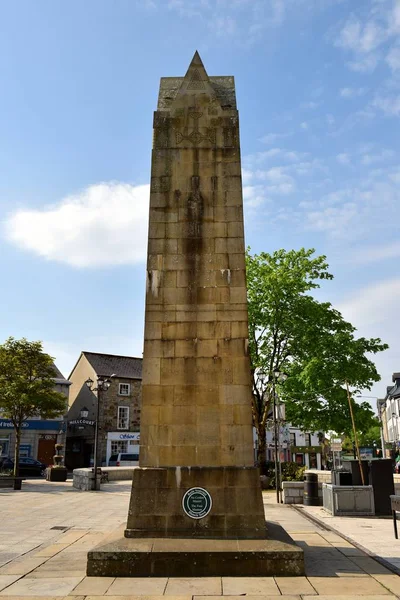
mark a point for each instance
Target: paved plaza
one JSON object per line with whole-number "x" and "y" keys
{"x": 47, "y": 530}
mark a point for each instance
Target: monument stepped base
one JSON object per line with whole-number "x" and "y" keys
{"x": 156, "y": 510}
{"x": 174, "y": 557}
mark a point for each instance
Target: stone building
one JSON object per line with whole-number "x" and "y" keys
{"x": 119, "y": 408}
{"x": 389, "y": 415}
{"x": 38, "y": 435}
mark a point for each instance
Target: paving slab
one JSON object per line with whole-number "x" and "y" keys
{"x": 352, "y": 597}
{"x": 138, "y": 597}
{"x": 50, "y": 551}
{"x": 139, "y": 586}
{"x": 392, "y": 582}
{"x": 6, "y": 580}
{"x": 22, "y": 566}
{"x": 340, "y": 586}
{"x": 249, "y": 586}
{"x": 42, "y": 587}
{"x": 372, "y": 534}
{"x": 296, "y": 585}
{"x": 93, "y": 586}
{"x": 205, "y": 586}
{"x": 371, "y": 566}
{"x": 260, "y": 597}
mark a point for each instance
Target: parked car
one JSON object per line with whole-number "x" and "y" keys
{"x": 27, "y": 466}
{"x": 124, "y": 459}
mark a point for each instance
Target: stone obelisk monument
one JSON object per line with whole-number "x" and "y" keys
{"x": 197, "y": 477}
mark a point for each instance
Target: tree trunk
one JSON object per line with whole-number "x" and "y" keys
{"x": 16, "y": 450}
{"x": 262, "y": 448}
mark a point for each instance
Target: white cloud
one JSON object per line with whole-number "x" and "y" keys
{"x": 393, "y": 58}
{"x": 271, "y": 138}
{"x": 366, "y": 34}
{"x": 389, "y": 104}
{"x": 359, "y": 37}
{"x": 253, "y": 196}
{"x": 373, "y": 304}
{"x": 104, "y": 224}
{"x": 352, "y": 92}
{"x": 382, "y": 156}
{"x": 369, "y": 254}
{"x": 343, "y": 158}
{"x": 304, "y": 125}
{"x": 364, "y": 64}
{"x": 332, "y": 219}
{"x": 310, "y": 105}
{"x": 373, "y": 310}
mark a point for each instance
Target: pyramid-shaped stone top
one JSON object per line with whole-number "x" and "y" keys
{"x": 197, "y": 81}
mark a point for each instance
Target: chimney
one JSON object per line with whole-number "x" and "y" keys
{"x": 396, "y": 378}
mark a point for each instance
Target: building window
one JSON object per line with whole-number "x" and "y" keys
{"x": 117, "y": 446}
{"x": 300, "y": 460}
{"x": 4, "y": 445}
{"x": 292, "y": 439}
{"x": 124, "y": 389}
{"x": 123, "y": 417}
{"x": 307, "y": 438}
{"x": 313, "y": 460}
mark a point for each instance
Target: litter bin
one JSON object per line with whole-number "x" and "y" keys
{"x": 342, "y": 477}
{"x": 311, "y": 489}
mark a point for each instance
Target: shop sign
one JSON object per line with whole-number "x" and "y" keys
{"x": 305, "y": 449}
{"x": 81, "y": 422}
{"x": 33, "y": 424}
{"x": 126, "y": 436}
{"x": 197, "y": 503}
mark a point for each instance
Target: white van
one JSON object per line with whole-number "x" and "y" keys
{"x": 124, "y": 459}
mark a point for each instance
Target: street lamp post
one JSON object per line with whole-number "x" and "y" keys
{"x": 102, "y": 385}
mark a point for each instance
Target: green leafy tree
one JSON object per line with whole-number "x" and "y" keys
{"x": 290, "y": 331}
{"x": 27, "y": 386}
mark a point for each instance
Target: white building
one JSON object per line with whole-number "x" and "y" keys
{"x": 295, "y": 445}
{"x": 390, "y": 412}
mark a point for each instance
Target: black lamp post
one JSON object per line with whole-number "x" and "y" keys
{"x": 102, "y": 385}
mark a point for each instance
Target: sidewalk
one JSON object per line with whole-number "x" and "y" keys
{"x": 38, "y": 559}
{"x": 373, "y": 534}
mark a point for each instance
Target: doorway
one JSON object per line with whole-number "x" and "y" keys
{"x": 46, "y": 449}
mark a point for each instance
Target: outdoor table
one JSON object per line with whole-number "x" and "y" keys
{"x": 395, "y": 503}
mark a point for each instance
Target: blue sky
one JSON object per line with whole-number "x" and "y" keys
{"x": 318, "y": 88}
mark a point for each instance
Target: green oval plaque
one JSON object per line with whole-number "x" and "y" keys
{"x": 197, "y": 503}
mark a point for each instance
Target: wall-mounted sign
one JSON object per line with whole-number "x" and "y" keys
{"x": 197, "y": 503}
{"x": 81, "y": 422}
{"x": 41, "y": 424}
{"x": 305, "y": 449}
{"x": 120, "y": 435}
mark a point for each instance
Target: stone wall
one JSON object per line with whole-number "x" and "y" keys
{"x": 82, "y": 478}
{"x": 109, "y": 411}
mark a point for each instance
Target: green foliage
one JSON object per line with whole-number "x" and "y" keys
{"x": 291, "y": 471}
{"x": 27, "y": 385}
{"x": 291, "y": 331}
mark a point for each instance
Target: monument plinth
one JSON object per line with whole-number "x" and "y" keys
{"x": 197, "y": 477}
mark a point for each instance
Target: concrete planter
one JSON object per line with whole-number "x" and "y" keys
{"x": 56, "y": 474}
{"x": 348, "y": 500}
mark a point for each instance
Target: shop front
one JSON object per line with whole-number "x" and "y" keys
{"x": 38, "y": 438}
{"x": 122, "y": 441}
{"x": 307, "y": 456}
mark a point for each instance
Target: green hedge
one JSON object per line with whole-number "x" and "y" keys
{"x": 291, "y": 471}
